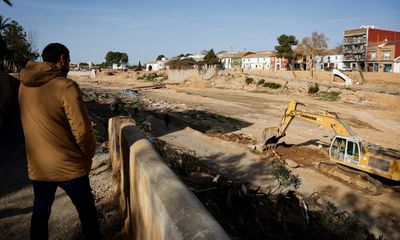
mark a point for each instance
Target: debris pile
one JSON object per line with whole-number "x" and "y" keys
{"x": 154, "y": 105}
{"x": 237, "y": 137}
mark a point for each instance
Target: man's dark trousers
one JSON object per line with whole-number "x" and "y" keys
{"x": 79, "y": 192}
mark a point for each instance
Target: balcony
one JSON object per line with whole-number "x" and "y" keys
{"x": 354, "y": 58}
{"x": 354, "y": 50}
{"x": 351, "y": 41}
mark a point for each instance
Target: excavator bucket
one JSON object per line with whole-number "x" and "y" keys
{"x": 270, "y": 137}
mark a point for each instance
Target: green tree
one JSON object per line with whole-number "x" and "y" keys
{"x": 4, "y": 23}
{"x": 3, "y": 52}
{"x": 124, "y": 58}
{"x": 109, "y": 57}
{"x": 316, "y": 45}
{"x": 211, "y": 58}
{"x": 159, "y": 57}
{"x": 139, "y": 67}
{"x": 186, "y": 63}
{"x": 19, "y": 49}
{"x": 116, "y": 57}
{"x": 284, "y": 49}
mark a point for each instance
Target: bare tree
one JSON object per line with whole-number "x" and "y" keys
{"x": 316, "y": 45}
{"x": 339, "y": 48}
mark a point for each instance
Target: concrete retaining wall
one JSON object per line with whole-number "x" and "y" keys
{"x": 91, "y": 73}
{"x": 157, "y": 205}
{"x": 371, "y": 77}
{"x": 179, "y": 76}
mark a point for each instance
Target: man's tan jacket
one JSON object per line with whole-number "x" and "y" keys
{"x": 59, "y": 138}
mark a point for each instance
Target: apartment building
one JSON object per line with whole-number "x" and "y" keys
{"x": 357, "y": 41}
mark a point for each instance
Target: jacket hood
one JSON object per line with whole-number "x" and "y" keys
{"x": 36, "y": 74}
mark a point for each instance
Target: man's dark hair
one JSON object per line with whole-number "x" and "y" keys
{"x": 52, "y": 52}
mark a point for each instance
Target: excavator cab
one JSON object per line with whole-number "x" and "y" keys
{"x": 345, "y": 150}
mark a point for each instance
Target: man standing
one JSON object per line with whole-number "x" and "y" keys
{"x": 59, "y": 140}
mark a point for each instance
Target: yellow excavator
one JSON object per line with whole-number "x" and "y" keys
{"x": 347, "y": 152}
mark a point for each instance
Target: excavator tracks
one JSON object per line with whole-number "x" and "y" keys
{"x": 352, "y": 177}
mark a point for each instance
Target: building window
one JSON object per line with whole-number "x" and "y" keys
{"x": 376, "y": 67}
{"x": 373, "y": 55}
{"x": 386, "y": 55}
{"x": 387, "y": 67}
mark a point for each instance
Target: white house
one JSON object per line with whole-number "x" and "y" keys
{"x": 257, "y": 61}
{"x": 396, "y": 64}
{"x": 332, "y": 61}
{"x": 156, "y": 65}
{"x": 115, "y": 66}
{"x": 226, "y": 59}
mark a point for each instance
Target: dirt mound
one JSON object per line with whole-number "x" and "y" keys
{"x": 193, "y": 82}
{"x": 303, "y": 155}
{"x": 232, "y": 81}
{"x": 233, "y": 137}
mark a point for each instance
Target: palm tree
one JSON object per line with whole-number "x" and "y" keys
{"x": 8, "y": 2}
{"x": 4, "y": 23}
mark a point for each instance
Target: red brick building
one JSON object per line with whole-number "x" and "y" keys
{"x": 357, "y": 41}
{"x": 381, "y": 56}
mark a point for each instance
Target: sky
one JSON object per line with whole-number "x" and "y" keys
{"x": 145, "y": 29}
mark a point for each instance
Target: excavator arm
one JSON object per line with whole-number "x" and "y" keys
{"x": 327, "y": 119}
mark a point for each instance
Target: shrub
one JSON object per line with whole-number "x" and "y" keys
{"x": 261, "y": 82}
{"x": 332, "y": 96}
{"x": 272, "y": 85}
{"x": 313, "y": 88}
{"x": 284, "y": 176}
{"x": 249, "y": 80}
{"x": 342, "y": 225}
{"x": 151, "y": 76}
